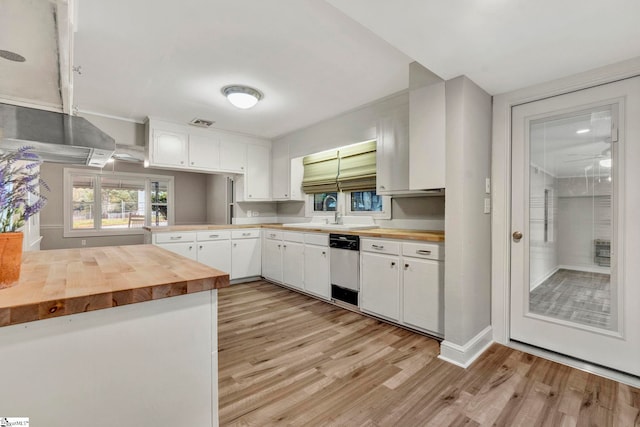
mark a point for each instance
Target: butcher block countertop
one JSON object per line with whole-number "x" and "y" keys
{"x": 66, "y": 281}
{"x": 383, "y": 233}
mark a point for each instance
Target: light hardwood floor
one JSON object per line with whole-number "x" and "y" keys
{"x": 288, "y": 359}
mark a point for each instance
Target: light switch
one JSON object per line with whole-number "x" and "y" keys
{"x": 487, "y": 185}
{"x": 487, "y": 205}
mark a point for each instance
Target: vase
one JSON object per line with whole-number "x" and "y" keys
{"x": 10, "y": 258}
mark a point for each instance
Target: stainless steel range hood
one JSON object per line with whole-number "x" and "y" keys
{"x": 56, "y": 137}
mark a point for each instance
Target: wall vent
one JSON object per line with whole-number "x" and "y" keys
{"x": 201, "y": 123}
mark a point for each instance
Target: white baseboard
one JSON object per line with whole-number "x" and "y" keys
{"x": 465, "y": 355}
{"x": 586, "y": 268}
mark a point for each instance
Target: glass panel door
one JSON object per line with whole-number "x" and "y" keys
{"x": 575, "y": 235}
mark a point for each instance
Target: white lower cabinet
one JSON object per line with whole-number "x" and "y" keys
{"x": 214, "y": 248}
{"x": 293, "y": 260}
{"x": 246, "y": 253}
{"x": 380, "y": 285}
{"x": 272, "y": 256}
{"x": 403, "y": 281}
{"x": 317, "y": 280}
{"x": 423, "y": 294}
{"x": 180, "y": 243}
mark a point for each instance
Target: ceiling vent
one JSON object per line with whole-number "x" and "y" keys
{"x": 201, "y": 123}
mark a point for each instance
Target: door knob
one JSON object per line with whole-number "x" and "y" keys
{"x": 517, "y": 236}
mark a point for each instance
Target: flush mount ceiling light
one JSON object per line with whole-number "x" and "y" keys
{"x": 243, "y": 97}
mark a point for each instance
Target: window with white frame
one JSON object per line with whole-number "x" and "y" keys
{"x": 104, "y": 203}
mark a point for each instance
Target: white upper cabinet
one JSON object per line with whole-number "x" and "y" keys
{"x": 204, "y": 152}
{"x": 233, "y": 155}
{"x": 427, "y": 137}
{"x": 168, "y": 148}
{"x": 258, "y": 173}
{"x": 286, "y": 174}
{"x": 392, "y": 155}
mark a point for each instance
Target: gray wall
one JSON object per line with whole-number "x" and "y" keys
{"x": 468, "y": 229}
{"x": 190, "y": 205}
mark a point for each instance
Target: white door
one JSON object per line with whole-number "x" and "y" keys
{"x": 423, "y": 294}
{"x": 576, "y": 234}
{"x": 380, "y": 285}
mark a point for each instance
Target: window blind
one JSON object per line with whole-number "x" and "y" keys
{"x": 320, "y": 172}
{"x": 357, "y": 167}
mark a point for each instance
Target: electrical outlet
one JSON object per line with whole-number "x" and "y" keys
{"x": 83, "y": 242}
{"x": 487, "y": 205}
{"x": 256, "y": 213}
{"x": 487, "y": 185}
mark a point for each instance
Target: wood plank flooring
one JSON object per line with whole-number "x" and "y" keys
{"x": 286, "y": 359}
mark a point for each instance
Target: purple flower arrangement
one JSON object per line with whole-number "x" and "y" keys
{"x": 20, "y": 185}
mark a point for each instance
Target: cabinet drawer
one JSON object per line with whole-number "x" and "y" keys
{"x": 423, "y": 250}
{"x": 316, "y": 239}
{"x": 203, "y": 236}
{"x": 293, "y": 237}
{"x": 272, "y": 234}
{"x": 175, "y": 237}
{"x": 380, "y": 246}
{"x": 245, "y": 233}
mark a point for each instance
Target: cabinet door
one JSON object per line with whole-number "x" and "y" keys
{"x": 216, "y": 254}
{"x": 392, "y": 155}
{"x": 380, "y": 285}
{"x": 427, "y": 137}
{"x": 204, "y": 152}
{"x": 316, "y": 271}
{"x": 423, "y": 294}
{"x": 280, "y": 172}
{"x": 233, "y": 156}
{"x": 186, "y": 249}
{"x": 246, "y": 258}
{"x": 272, "y": 260}
{"x": 258, "y": 173}
{"x": 293, "y": 264}
{"x": 169, "y": 148}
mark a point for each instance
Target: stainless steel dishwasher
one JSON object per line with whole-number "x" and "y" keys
{"x": 345, "y": 268}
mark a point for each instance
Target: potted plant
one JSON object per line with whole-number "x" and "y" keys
{"x": 20, "y": 199}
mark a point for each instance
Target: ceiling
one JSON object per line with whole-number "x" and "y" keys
{"x": 313, "y": 59}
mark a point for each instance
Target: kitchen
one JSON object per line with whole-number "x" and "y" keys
{"x": 468, "y": 276}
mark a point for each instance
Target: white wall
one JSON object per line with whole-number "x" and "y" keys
{"x": 468, "y": 228}
{"x": 543, "y": 255}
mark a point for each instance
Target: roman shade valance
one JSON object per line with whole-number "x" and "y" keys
{"x": 350, "y": 168}
{"x": 357, "y": 167}
{"x": 320, "y": 172}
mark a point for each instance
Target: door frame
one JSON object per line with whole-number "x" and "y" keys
{"x": 501, "y": 179}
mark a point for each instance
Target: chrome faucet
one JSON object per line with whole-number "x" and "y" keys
{"x": 326, "y": 199}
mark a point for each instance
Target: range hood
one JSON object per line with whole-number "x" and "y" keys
{"x": 56, "y": 137}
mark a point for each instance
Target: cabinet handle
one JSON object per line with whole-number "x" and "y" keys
{"x": 213, "y": 236}
{"x": 272, "y": 235}
{"x": 242, "y": 167}
{"x": 250, "y": 195}
{"x": 378, "y": 247}
{"x": 192, "y": 163}
{"x": 235, "y": 244}
{"x": 284, "y": 246}
{"x": 406, "y": 266}
{"x": 285, "y": 194}
{"x": 423, "y": 252}
{"x": 324, "y": 253}
{"x": 190, "y": 247}
{"x": 393, "y": 264}
{"x": 181, "y": 162}
{"x": 200, "y": 246}
{"x": 246, "y": 234}
{"x": 382, "y": 187}
{"x": 175, "y": 237}
{"x": 279, "y": 245}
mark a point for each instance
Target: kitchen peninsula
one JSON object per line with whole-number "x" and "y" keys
{"x": 126, "y": 332}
